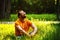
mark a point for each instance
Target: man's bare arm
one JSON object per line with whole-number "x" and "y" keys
{"x": 22, "y": 30}
{"x": 34, "y": 30}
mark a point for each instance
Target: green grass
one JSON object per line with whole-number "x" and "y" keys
{"x": 41, "y": 17}
{"x": 48, "y": 17}
{"x": 46, "y": 31}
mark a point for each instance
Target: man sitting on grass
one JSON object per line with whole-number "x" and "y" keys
{"x": 22, "y": 25}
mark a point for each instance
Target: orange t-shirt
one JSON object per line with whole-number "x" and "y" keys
{"x": 24, "y": 25}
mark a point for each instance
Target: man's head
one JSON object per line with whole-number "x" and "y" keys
{"x": 21, "y": 14}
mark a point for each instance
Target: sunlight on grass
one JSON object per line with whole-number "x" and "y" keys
{"x": 46, "y": 30}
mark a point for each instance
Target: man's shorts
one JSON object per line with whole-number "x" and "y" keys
{"x": 22, "y": 37}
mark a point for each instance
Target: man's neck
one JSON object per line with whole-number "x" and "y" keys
{"x": 21, "y": 19}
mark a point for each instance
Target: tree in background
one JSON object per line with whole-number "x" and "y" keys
{"x": 5, "y": 7}
{"x": 35, "y": 6}
{"x": 2, "y": 9}
{"x": 58, "y": 9}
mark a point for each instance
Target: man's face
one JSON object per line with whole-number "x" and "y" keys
{"x": 22, "y": 14}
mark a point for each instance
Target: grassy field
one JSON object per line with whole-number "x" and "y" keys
{"x": 46, "y": 31}
{"x": 50, "y": 17}
{"x": 48, "y": 28}
{"x": 41, "y": 17}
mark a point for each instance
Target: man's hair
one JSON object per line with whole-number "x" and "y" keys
{"x": 19, "y": 13}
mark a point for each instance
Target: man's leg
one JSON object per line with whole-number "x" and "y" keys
{"x": 20, "y": 37}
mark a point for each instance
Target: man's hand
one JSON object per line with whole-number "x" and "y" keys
{"x": 23, "y": 30}
{"x": 34, "y": 30}
{"x": 28, "y": 34}
{"x": 32, "y": 34}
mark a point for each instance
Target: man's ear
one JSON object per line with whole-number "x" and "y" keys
{"x": 19, "y": 16}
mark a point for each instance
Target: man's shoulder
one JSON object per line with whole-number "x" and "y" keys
{"x": 27, "y": 20}
{"x": 16, "y": 20}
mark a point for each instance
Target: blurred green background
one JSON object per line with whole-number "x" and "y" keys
{"x": 9, "y": 7}
{"x": 45, "y": 14}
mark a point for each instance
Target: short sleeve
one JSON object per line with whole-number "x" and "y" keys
{"x": 29, "y": 22}
{"x": 16, "y": 23}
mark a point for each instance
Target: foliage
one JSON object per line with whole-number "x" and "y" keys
{"x": 36, "y": 6}
{"x": 41, "y": 17}
{"x": 46, "y": 31}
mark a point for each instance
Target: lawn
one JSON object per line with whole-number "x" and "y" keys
{"x": 46, "y": 31}
{"x": 41, "y": 17}
{"x": 48, "y": 27}
{"x": 47, "y": 17}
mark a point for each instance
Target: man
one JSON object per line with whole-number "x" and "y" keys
{"x": 22, "y": 25}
